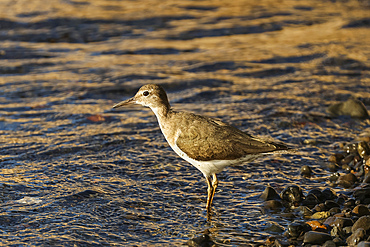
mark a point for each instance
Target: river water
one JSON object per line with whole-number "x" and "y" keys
{"x": 74, "y": 172}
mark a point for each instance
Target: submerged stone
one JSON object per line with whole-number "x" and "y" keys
{"x": 306, "y": 171}
{"x": 269, "y": 194}
{"x": 292, "y": 194}
{"x": 312, "y": 237}
{"x": 352, "y": 107}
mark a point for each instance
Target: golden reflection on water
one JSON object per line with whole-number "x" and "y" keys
{"x": 73, "y": 171}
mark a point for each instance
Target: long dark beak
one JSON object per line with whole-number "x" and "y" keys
{"x": 125, "y": 102}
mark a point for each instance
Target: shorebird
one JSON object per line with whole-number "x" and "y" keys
{"x": 208, "y": 144}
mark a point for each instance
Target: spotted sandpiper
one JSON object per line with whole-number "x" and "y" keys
{"x": 208, "y": 144}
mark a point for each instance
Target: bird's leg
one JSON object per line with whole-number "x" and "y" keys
{"x": 214, "y": 186}
{"x": 209, "y": 197}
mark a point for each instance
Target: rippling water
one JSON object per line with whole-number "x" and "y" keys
{"x": 75, "y": 172}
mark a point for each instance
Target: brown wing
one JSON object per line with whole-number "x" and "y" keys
{"x": 215, "y": 140}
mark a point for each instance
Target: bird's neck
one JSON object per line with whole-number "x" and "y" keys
{"x": 161, "y": 112}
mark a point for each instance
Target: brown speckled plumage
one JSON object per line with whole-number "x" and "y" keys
{"x": 208, "y": 144}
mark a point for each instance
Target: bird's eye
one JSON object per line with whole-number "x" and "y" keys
{"x": 145, "y": 93}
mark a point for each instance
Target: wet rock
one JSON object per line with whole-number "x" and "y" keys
{"x": 348, "y": 159}
{"x": 352, "y": 107}
{"x": 366, "y": 179}
{"x": 350, "y": 148}
{"x": 306, "y": 171}
{"x": 342, "y": 222}
{"x": 349, "y": 203}
{"x": 336, "y": 158}
{"x": 320, "y": 215}
{"x": 361, "y": 210}
{"x": 334, "y": 177}
{"x": 329, "y": 221}
{"x": 329, "y": 204}
{"x": 329, "y": 194}
{"x": 363, "y": 149}
{"x": 335, "y": 210}
{"x": 337, "y": 232}
{"x": 347, "y": 180}
{"x": 339, "y": 242}
{"x": 363, "y": 222}
{"x": 333, "y": 167}
{"x": 329, "y": 243}
{"x": 272, "y": 205}
{"x": 292, "y": 194}
{"x": 318, "y": 194}
{"x": 341, "y": 199}
{"x": 346, "y": 168}
{"x": 356, "y": 237}
{"x": 203, "y": 240}
{"x": 275, "y": 228}
{"x": 362, "y": 194}
{"x": 320, "y": 207}
{"x": 306, "y": 211}
{"x": 312, "y": 237}
{"x": 364, "y": 244}
{"x": 310, "y": 201}
{"x": 269, "y": 194}
{"x": 297, "y": 229}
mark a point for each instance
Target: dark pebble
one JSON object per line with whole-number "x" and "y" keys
{"x": 200, "y": 241}
{"x": 333, "y": 167}
{"x": 334, "y": 177}
{"x": 329, "y": 194}
{"x": 336, "y": 158}
{"x": 356, "y": 237}
{"x": 312, "y": 237}
{"x": 339, "y": 241}
{"x": 349, "y": 203}
{"x": 341, "y": 199}
{"x": 363, "y": 222}
{"x": 330, "y": 221}
{"x": 346, "y": 168}
{"x": 275, "y": 228}
{"x": 269, "y": 194}
{"x": 306, "y": 211}
{"x": 347, "y": 180}
{"x": 331, "y": 204}
{"x": 334, "y": 210}
{"x": 310, "y": 201}
{"x": 292, "y": 194}
{"x": 306, "y": 171}
{"x": 342, "y": 222}
{"x": 361, "y": 210}
{"x": 329, "y": 243}
{"x": 318, "y": 194}
{"x": 319, "y": 207}
{"x": 347, "y": 159}
{"x": 362, "y": 194}
{"x": 297, "y": 229}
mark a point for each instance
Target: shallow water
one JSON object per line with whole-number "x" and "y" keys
{"x": 75, "y": 172}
